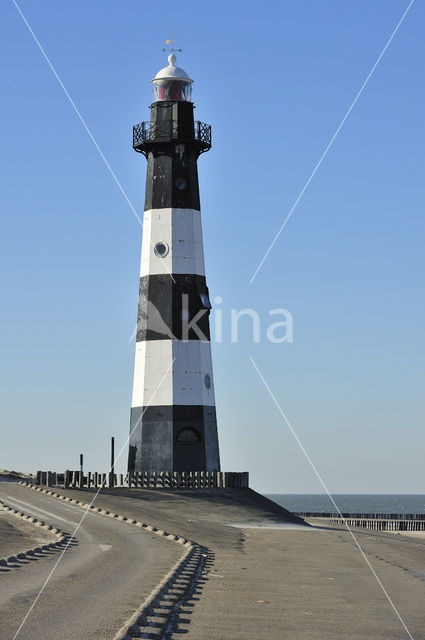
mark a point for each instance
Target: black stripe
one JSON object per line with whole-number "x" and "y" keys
{"x": 161, "y": 306}
{"x": 159, "y": 441}
{"x": 172, "y": 173}
{"x": 172, "y": 181}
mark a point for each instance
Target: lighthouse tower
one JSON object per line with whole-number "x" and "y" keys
{"x": 173, "y": 420}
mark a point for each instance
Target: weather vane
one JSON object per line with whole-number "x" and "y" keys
{"x": 172, "y": 42}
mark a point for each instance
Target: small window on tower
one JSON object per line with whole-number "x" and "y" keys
{"x": 161, "y": 249}
{"x": 188, "y": 435}
{"x": 180, "y": 184}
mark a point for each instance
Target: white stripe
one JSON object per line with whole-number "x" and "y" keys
{"x": 181, "y": 231}
{"x": 186, "y": 384}
{"x": 36, "y": 510}
{"x": 151, "y": 360}
{"x": 192, "y": 363}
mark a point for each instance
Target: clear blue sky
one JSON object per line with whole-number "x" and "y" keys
{"x": 274, "y": 79}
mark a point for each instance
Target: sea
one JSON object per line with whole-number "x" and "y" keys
{"x": 350, "y": 503}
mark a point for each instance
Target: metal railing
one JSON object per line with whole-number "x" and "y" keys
{"x": 202, "y": 132}
{"x": 168, "y": 130}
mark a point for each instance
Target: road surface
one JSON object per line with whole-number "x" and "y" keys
{"x": 270, "y": 579}
{"x": 98, "y": 583}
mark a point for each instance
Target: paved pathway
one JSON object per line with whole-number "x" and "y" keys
{"x": 268, "y": 577}
{"x": 97, "y": 585}
{"x": 277, "y": 582}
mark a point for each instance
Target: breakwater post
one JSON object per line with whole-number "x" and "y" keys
{"x": 374, "y": 521}
{"x": 147, "y": 479}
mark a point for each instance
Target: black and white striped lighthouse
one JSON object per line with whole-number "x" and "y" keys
{"x": 173, "y": 418}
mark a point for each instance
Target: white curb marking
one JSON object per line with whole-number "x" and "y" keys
{"x": 48, "y": 513}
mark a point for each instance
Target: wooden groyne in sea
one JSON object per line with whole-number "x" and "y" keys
{"x": 375, "y": 521}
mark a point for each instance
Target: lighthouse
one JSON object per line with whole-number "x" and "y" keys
{"x": 173, "y": 424}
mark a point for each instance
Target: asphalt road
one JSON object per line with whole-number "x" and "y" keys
{"x": 98, "y": 583}
{"x": 269, "y": 579}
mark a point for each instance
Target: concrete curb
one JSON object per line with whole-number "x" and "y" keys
{"x": 62, "y": 538}
{"x": 192, "y": 564}
{"x": 132, "y": 628}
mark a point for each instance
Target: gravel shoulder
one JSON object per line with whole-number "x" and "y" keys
{"x": 17, "y": 536}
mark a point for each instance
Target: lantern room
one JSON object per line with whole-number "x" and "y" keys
{"x": 172, "y": 83}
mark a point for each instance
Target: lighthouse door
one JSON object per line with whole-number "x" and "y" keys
{"x": 189, "y": 450}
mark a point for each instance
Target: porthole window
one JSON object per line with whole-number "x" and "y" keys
{"x": 160, "y": 249}
{"x": 180, "y": 184}
{"x": 207, "y": 381}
